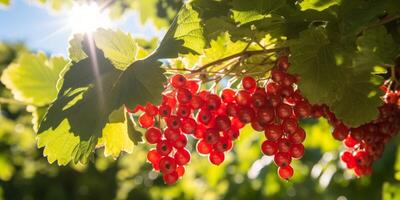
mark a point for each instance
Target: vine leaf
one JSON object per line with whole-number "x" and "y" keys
{"x": 245, "y": 12}
{"x": 33, "y": 78}
{"x": 319, "y": 5}
{"x": 91, "y": 90}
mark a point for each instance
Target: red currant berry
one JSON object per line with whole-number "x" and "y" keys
{"x": 153, "y": 135}
{"x": 282, "y": 159}
{"x": 246, "y": 114}
{"x": 285, "y": 172}
{"x": 232, "y": 109}
{"x": 298, "y": 136}
{"x": 204, "y": 116}
{"x": 171, "y": 134}
{"x": 182, "y": 157}
{"x": 249, "y": 83}
{"x": 165, "y": 110}
{"x": 283, "y": 62}
{"x": 164, "y": 147}
{"x": 340, "y": 132}
{"x": 257, "y": 126}
{"x": 222, "y": 122}
{"x": 211, "y": 136}
{"x": 203, "y": 148}
{"x": 173, "y": 122}
{"x": 183, "y": 111}
{"x": 170, "y": 178}
{"x": 213, "y": 102}
{"x": 196, "y": 102}
{"x": 228, "y": 95}
{"x": 223, "y": 145}
{"x": 272, "y": 88}
{"x": 269, "y": 148}
{"x": 188, "y": 126}
{"x": 146, "y": 120}
{"x": 284, "y": 145}
{"x": 265, "y": 115}
{"x": 180, "y": 170}
{"x": 178, "y": 81}
{"x": 243, "y": 98}
{"x": 180, "y": 142}
{"x": 232, "y": 133}
{"x": 192, "y": 86}
{"x": 302, "y": 109}
{"x": 216, "y": 157}
{"x": 273, "y": 132}
{"x": 167, "y": 165}
{"x": 289, "y": 125}
{"x": 284, "y": 111}
{"x": 297, "y": 151}
{"x": 153, "y": 156}
{"x": 184, "y": 96}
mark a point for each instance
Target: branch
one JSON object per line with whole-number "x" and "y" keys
{"x": 385, "y": 20}
{"x": 243, "y": 53}
{"x": 12, "y": 101}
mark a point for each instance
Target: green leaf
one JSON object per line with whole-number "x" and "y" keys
{"x": 92, "y": 90}
{"x": 312, "y": 58}
{"x": 115, "y": 139}
{"x": 117, "y": 46}
{"x": 391, "y": 191}
{"x": 33, "y": 78}
{"x": 318, "y": 4}
{"x": 134, "y": 134}
{"x": 75, "y": 51}
{"x": 245, "y": 12}
{"x": 185, "y": 35}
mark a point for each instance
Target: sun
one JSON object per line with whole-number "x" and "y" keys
{"x": 86, "y": 18}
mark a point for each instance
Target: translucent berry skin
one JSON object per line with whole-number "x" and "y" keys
{"x": 223, "y": 122}
{"x": 297, "y": 151}
{"x": 269, "y": 148}
{"x": 273, "y": 132}
{"x": 171, "y": 134}
{"x": 204, "y": 116}
{"x": 284, "y": 145}
{"x": 284, "y": 111}
{"x": 228, "y": 95}
{"x": 282, "y": 159}
{"x": 211, "y": 136}
{"x": 151, "y": 109}
{"x": 196, "y": 102}
{"x": 180, "y": 170}
{"x": 216, "y": 157}
{"x": 188, "y": 126}
{"x": 289, "y": 125}
{"x": 265, "y": 115}
{"x": 243, "y": 98}
{"x": 167, "y": 165}
{"x": 223, "y": 145}
{"x": 213, "y": 102}
{"x": 153, "y": 156}
{"x": 153, "y": 135}
{"x": 146, "y": 121}
{"x": 173, "y": 122}
{"x": 184, "y": 96}
{"x": 340, "y": 132}
{"x": 178, "y": 81}
{"x": 246, "y": 114}
{"x": 283, "y": 62}
{"x": 164, "y": 147}
{"x": 183, "y": 111}
{"x": 182, "y": 156}
{"x": 298, "y": 136}
{"x": 170, "y": 178}
{"x": 164, "y": 110}
{"x": 180, "y": 142}
{"x": 285, "y": 172}
{"x": 249, "y": 83}
{"x": 203, "y": 147}
{"x": 192, "y": 86}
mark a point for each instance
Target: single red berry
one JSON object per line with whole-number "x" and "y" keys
{"x": 340, "y": 132}
{"x": 257, "y": 126}
{"x": 184, "y": 96}
{"x": 192, "y": 86}
{"x": 170, "y": 178}
{"x": 228, "y": 95}
{"x": 346, "y": 156}
{"x": 153, "y": 135}
{"x": 151, "y": 109}
{"x": 277, "y": 75}
{"x": 246, "y": 114}
{"x": 249, "y": 83}
{"x": 178, "y": 81}
{"x": 203, "y": 148}
{"x": 180, "y": 142}
{"x": 282, "y": 159}
{"x": 273, "y": 132}
{"x": 211, "y": 136}
{"x": 164, "y": 110}
{"x": 146, "y": 120}
{"x": 297, "y": 151}
{"x": 285, "y": 172}
{"x": 350, "y": 142}
{"x": 298, "y": 136}
{"x": 259, "y": 100}
{"x": 236, "y": 123}
{"x": 188, "y": 126}
{"x": 274, "y": 100}
{"x": 289, "y": 125}
{"x": 222, "y": 122}
{"x": 269, "y": 148}
{"x": 182, "y": 156}
{"x": 171, "y": 134}
{"x": 284, "y": 111}
{"x": 302, "y": 109}
{"x": 357, "y": 134}
{"x": 243, "y": 98}
{"x": 216, "y": 157}
{"x": 286, "y": 91}
{"x": 173, "y": 122}
{"x": 283, "y": 62}
{"x": 288, "y": 80}
{"x": 169, "y": 100}
{"x": 153, "y": 156}
{"x": 272, "y": 88}
{"x": 164, "y": 147}
{"x": 183, "y": 111}
{"x": 204, "y": 116}
{"x": 223, "y": 144}
{"x": 196, "y": 102}
{"x": 213, "y": 102}
{"x": 232, "y": 109}
{"x": 200, "y": 130}
{"x": 265, "y": 115}
{"x": 284, "y": 145}
{"x": 167, "y": 165}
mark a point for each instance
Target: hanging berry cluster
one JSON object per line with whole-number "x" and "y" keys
{"x": 365, "y": 144}
{"x": 273, "y": 106}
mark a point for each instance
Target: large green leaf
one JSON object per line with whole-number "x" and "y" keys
{"x": 92, "y": 89}
{"x": 338, "y": 76}
{"x": 33, "y": 78}
{"x": 318, "y": 4}
{"x": 245, "y": 12}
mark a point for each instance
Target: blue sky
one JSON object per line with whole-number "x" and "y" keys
{"x": 42, "y": 29}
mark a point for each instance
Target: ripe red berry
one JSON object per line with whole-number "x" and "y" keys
{"x": 249, "y": 83}
{"x": 273, "y": 132}
{"x": 269, "y": 148}
{"x": 180, "y": 170}
{"x": 203, "y": 148}
{"x": 183, "y": 111}
{"x": 153, "y": 135}
{"x": 297, "y": 151}
{"x": 211, "y": 136}
{"x": 346, "y": 156}
{"x": 285, "y": 172}
{"x": 213, "y": 102}
{"x": 216, "y": 157}
{"x": 204, "y": 116}
{"x": 283, "y": 62}
{"x": 146, "y": 120}
{"x": 302, "y": 109}
{"x": 243, "y": 98}
{"x": 259, "y": 100}
{"x": 164, "y": 147}
{"x": 272, "y": 88}
{"x": 223, "y": 144}
{"x": 289, "y": 125}
{"x": 232, "y": 133}
{"x": 274, "y": 100}
{"x": 232, "y": 109}
{"x": 178, "y": 81}
{"x": 284, "y": 145}
{"x": 265, "y": 115}
{"x": 182, "y": 157}
{"x": 153, "y": 156}
{"x": 236, "y": 123}
{"x": 171, "y": 134}
{"x": 284, "y": 111}
{"x": 277, "y": 75}
{"x": 173, "y": 122}
{"x": 170, "y": 178}
{"x": 246, "y": 114}
{"x": 184, "y": 96}
{"x": 350, "y": 142}
{"x": 257, "y": 126}
{"x": 164, "y": 110}
{"x": 192, "y": 86}
{"x": 282, "y": 159}
{"x": 167, "y": 165}
{"x": 188, "y": 126}
{"x": 298, "y": 136}
{"x": 340, "y": 132}
{"x": 228, "y": 95}
{"x": 222, "y": 122}
{"x": 196, "y": 102}
{"x": 151, "y": 109}
{"x": 180, "y": 142}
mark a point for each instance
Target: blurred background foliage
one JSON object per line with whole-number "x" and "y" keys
{"x": 246, "y": 173}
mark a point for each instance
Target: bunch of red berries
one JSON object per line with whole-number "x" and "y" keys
{"x": 365, "y": 144}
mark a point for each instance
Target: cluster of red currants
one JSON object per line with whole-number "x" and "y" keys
{"x": 278, "y": 115}
{"x": 365, "y": 144}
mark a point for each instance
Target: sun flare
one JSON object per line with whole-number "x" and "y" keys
{"x": 86, "y": 18}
